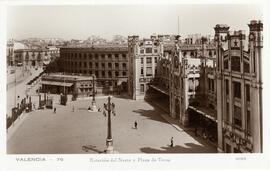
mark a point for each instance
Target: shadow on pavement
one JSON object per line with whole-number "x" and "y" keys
{"x": 191, "y": 148}
{"x": 86, "y": 148}
{"x": 151, "y": 114}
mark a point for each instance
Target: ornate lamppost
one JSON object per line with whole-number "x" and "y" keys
{"x": 110, "y": 108}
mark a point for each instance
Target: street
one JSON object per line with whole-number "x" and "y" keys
{"x": 68, "y": 132}
{"x": 16, "y": 89}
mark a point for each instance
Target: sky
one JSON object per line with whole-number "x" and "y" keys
{"x": 81, "y": 21}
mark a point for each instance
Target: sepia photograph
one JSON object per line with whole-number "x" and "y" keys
{"x": 134, "y": 79}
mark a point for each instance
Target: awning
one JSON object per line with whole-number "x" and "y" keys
{"x": 204, "y": 112}
{"x": 57, "y": 83}
{"x": 159, "y": 89}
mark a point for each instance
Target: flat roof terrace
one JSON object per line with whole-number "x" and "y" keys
{"x": 61, "y": 76}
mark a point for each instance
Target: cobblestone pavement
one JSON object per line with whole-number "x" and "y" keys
{"x": 68, "y": 132}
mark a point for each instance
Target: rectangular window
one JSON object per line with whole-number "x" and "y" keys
{"x": 155, "y": 50}
{"x": 110, "y": 74}
{"x": 116, "y": 56}
{"x": 90, "y": 64}
{"x": 237, "y": 89}
{"x": 209, "y": 84}
{"x": 248, "y": 92}
{"x": 149, "y": 60}
{"x": 141, "y": 60}
{"x": 226, "y": 64}
{"x": 116, "y": 65}
{"x": 109, "y": 65}
{"x": 227, "y": 112}
{"x": 103, "y": 65}
{"x": 124, "y": 65}
{"x": 96, "y": 56}
{"x": 155, "y": 59}
{"x": 90, "y": 57}
{"x": 102, "y": 56}
{"x": 149, "y": 71}
{"x": 109, "y": 56}
{"x": 142, "y": 88}
{"x": 235, "y": 63}
{"x": 227, "y": 87}
{"x": 96, "y": 65}
{"x": 237, "y": 116}
{"x": 148, "y": 50}
{"x": 248, "y": 121}
{"x": 213, "y": 85}
{"x": 141, "y": 51}
{"x": 246, "y": 67}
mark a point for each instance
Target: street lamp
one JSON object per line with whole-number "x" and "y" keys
{"x": 109, "y": 107}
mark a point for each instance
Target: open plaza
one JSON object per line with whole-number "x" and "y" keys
{"x": 69, "y": 131}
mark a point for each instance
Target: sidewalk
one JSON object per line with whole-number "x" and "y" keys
{"x": 175, "y": 124}
{"x": 15, "y": 126}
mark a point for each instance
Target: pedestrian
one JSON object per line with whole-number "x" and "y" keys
{"x": 135, "y": 124}
{"x": 54, "y": 110}
{"x": 172, "y": 142}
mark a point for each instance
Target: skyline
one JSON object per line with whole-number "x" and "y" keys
{"x": 80, "y": 22}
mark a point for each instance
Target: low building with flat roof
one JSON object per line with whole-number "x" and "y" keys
{"x": 58, "y": 83}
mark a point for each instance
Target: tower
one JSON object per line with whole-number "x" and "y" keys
{"x": 133, "y": 75}
{"x": 255, "y": 52}
{"x": 221, "y": 32}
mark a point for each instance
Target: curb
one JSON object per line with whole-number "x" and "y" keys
{"x": 175, "y": 126}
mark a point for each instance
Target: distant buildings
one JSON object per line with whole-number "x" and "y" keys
{"x": 22, "y": 54}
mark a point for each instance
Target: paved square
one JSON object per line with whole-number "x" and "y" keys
{"x": 68, "y": 132}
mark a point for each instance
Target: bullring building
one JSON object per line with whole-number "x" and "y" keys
{"x": 108, "y": 63}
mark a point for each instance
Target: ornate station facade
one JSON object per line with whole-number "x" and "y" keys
{"x": 213, "y": 84}
{"x": 239, "y": 88}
